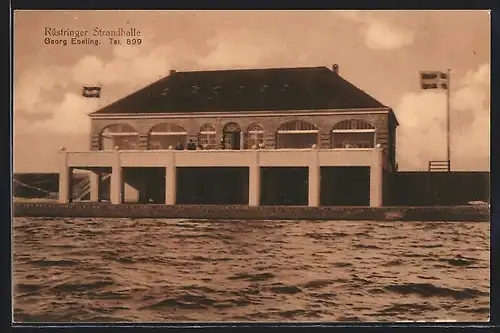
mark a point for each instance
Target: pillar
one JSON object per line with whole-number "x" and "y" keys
{"x": 254, "y": 180}
{"x": 143, "y": 141}
{"x": 65, "y": 174}
{"x": 95, "y": 186}
{"x": 376, "y": 174}
{"x": 171, "y": 179}
{"x": 116, "y": 191}
{"x": 314, "y": 179}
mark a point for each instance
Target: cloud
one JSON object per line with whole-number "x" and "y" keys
{"x": 42, "y": 102}
{"x": 31, "y": 89}
{"x": 422, "y": 133}
{"x": 383, "y": 36}
{"x": 68, "y": 116}
{"x": 128, "y": 66}
{"x": 47, "y": 98}
{"x": 379, "y": 34}
{"x": 239, "y": 48}
{"x": 43, "y": 97}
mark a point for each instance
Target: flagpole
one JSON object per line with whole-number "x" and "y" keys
{"x": 448, "y": 148}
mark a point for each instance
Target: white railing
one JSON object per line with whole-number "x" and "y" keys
{"x": 221, "y": 150}
{"x": 222, "y": 157}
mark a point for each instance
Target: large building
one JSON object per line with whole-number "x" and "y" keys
{"x": 302, "y": 136}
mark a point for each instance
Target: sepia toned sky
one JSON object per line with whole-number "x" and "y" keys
{"x": 381, "y": 52}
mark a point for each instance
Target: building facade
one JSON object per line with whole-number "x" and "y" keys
{"x": 307, "y": 118}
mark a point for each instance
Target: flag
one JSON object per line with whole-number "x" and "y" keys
{"x": 91, "y": 92}
{"x": 433, "y": 80}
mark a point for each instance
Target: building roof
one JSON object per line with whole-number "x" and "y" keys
{"x": 306, "y": 88}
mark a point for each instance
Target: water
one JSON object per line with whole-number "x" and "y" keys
{"x": 156, "y": 270}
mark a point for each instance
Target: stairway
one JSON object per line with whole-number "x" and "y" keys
{"x": 439, "y": 178}
{"x": 82, "y": 187}
{"x": 439, "y": 166}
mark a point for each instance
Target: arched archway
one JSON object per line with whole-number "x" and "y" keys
{"x": 165, "y": 135}
{"x": 123, "y": 136}
{"x": 207, "y": 136}
{"x": 231, "y": 136}
{"x": 297, "y": 134}
{"x": 353, "y": 133}
{"x": 255, "y": 134}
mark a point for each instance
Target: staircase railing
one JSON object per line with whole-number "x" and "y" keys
{"x": 83, "y": 188}
{"x": 439, "y": 166}
{"x": 436, "y": 183}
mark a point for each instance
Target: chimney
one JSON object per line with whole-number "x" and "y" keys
{"x": 335, "y": 69}
{"x": 172, "y": 71}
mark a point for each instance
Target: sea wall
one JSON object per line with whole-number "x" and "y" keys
{"x": 422, "y": 188}
{"x": 240, "y": 212}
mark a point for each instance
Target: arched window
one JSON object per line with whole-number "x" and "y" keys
{"x": 255, "y": 135}
{"x": 165, "y": 135}
{"x": 231, "y": 136}
{"x": 207, "y": 136}
{"x": 123, "y": 136}
{"x": 353, "y": 133}
{"x": 296, "y": 134}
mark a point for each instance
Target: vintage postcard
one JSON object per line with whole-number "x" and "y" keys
{"x": 251, "y": 166}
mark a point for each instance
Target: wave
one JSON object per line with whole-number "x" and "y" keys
{"x": 285, "y": 289}
{"x": 156, "y": 270}
{"x": 252, "y": 277}
{"x": 79, "y": 285}
{"x": 430, "y": 290}
{"x": 51, "y": 263}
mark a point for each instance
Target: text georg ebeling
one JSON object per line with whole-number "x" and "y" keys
{"x": 95, "y": 36}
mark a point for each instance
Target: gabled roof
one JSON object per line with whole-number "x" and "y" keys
{"x": 305, "y": 88}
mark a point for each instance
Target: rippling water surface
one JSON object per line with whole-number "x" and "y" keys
{"x": 155, "y": 270}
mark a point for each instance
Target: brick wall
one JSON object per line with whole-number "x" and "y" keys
{"x": 270, "y": 125}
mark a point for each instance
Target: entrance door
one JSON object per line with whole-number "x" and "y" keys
{"x": 232, "y": 136}
{"x": 235, "y": 140}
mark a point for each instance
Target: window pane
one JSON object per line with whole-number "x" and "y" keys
{"x": 255, "y": 139}
{"x": 110, "y": 137}
{"x": 208, "y": 141}
{"x": 119, "y": 128}
{"x": 353, "y": 124}
{"x": 232, "y": 127}
{"x": 165, "y": 141}
{"x": 353, "y": 140}
{"x": 207, "y": 128}
{"x": 128, "y": 142}
{"x": 297, "y": 140}
{"x": 255, "y": 128}
{"x": 168, "y": 128}
{"x": 297, "y": 125}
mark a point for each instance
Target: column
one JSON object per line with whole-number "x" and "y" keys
{"x": 242, "y": 140}
{"x": 325, "y": 140}
{"x": 95, "y": 142}
{"x": 143, "y": 141}
{"x": 254, "y": 180}
{"x": 116, "y": 191}
{"x": 314, "y": 179}
{"x": 376, "y": 173}
{"x": 65, "y": 174}
{"x": 95, "y": 186}
{"x": 170, "y": 179}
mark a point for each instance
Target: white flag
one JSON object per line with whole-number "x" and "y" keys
{"x": 433, "y": 80}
